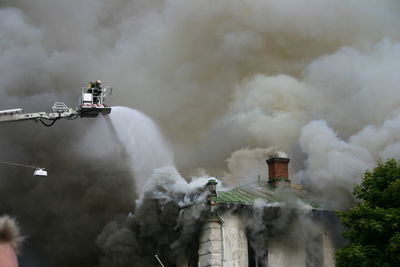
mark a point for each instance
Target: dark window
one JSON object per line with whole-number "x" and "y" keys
{"x": 314, "y": 252}
{"x": 255, "y": 261}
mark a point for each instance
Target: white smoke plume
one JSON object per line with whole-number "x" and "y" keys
{"x": 215, "y": 76}
{"x": 246, "y": 165}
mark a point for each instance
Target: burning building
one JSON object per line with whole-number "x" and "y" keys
{"x": 319, "y": 79}
{"x": 264, "y": 223}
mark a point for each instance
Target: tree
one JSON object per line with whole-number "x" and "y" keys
{"x": 374, "y": 223}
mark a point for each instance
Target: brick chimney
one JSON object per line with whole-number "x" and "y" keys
{"x": 278, "y": 171}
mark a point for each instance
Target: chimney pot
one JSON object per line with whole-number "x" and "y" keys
{"x": 212, "y": 186}
{"x": 278, "y": 171}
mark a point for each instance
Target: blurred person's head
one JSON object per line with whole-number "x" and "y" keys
{"x": 10, "y": 240}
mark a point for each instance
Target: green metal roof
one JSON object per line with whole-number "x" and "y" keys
{"x": 249, "y": 193}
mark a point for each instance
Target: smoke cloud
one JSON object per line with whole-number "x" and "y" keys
{"x": 168, "y": 218}
{"x": 245, "y": 165}
{"x": 317, "y": 79}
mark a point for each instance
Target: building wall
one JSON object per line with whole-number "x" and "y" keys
{"x": 223, "y": 242}
{"x": 328, "y": 249}
{"x": 282, "y": 254}
{"x": 210, "y": 247}
{"x": 236, "y": 247}
{"x": 317, "y": 251}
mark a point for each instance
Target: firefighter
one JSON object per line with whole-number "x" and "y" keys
{"x": 97, "y": 84}
{"x": 90, "y": 87}
{"x": 96, "y": 87}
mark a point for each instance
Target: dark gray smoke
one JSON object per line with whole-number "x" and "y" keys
{"x": 166, "y": 223}
{"x": 285, "y": 225}
{"x": 88, "y": 185}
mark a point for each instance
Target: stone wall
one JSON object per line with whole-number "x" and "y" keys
{"x": 210, "y": 247}
{"x": 223, "y": 242}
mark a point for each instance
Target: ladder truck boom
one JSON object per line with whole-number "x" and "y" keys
{"x": 11, "y": 111}
{"x": 91, "y": 103}
{"x": 39, "y": 116}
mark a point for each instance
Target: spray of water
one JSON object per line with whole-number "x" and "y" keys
{"x": 143, "y": 142}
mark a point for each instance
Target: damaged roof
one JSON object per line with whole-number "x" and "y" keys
{"x": 249, "y": 193}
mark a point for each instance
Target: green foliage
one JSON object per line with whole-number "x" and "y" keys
{"x": 374, "y": 224}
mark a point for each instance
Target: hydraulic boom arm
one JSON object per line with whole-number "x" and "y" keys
{"x": 51, "y": 117}
{"x": 91, "y": 103}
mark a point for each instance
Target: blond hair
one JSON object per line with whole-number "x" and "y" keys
{"x": 9, "y": 232}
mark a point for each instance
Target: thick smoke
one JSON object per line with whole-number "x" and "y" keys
{"x": 317, "y": 79}
{"x": 88, "y": 184}
{"x": 168, "y": 218}
{"x": 245, "y": 165}
{"x": 286, "y": 226}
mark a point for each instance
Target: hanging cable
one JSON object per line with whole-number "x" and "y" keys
{"x": 48, "y": 124}
{"x": 17, "y": 164}
{"x": 38, "y": 171}
{"x": 73, "y": 117}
